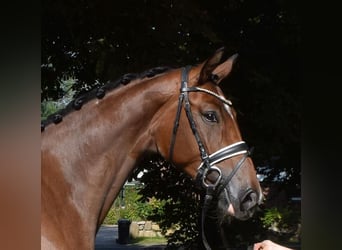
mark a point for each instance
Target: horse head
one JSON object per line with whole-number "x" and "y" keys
{"x": 198, "y": 132}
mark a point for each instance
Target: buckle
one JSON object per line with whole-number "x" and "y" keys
{"x": 206, "y": 182}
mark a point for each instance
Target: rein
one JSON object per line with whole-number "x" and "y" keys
{"x": 208, "y": 162}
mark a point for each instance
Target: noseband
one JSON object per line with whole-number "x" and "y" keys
{"x": 208, "y": 162}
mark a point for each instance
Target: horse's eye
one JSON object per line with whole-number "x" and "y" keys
{"x": 210, "y": 116}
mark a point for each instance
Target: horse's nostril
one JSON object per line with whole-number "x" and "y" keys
{"x": 249, "y": 200}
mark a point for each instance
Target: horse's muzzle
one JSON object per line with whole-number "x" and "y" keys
{"x": 244, "y": 207}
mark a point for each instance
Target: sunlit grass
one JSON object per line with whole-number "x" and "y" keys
{"x": 148, "y": 240}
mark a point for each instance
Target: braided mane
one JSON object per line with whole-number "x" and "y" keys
{"x": 100, "y": 92}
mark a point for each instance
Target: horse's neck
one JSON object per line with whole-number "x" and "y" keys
{"x": 99, "y": 146}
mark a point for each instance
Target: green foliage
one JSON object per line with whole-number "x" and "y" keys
{"x": 147, "y": 240}
{"x": 271, "y": 217}
{"x": 178, "y": 199}
{"x": 176, "y": 216}
{"x": 112, "y": 217}
{"x": 280, "y": 219}
{"x": 131, "y": 207}
{"x": 48, "y": 107}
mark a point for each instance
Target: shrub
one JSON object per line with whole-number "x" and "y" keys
{"x": 280, "y": 219}
{"x": 129, "y": 205}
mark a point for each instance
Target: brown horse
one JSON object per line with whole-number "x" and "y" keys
{"x": 89, "y": 149}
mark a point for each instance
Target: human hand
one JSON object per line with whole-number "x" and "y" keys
{"x": 269, "y": 245}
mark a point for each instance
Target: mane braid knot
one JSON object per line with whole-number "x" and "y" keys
{"x": 99, "y": 93}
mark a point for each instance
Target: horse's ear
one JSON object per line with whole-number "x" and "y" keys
{"x": 216, "y": 68}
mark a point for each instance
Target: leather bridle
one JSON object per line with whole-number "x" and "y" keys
{"x": 208, "y": 162}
